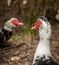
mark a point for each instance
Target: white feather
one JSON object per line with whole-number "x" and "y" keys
{"x": 8, "y": 25}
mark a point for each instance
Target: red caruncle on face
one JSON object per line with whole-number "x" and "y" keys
{"x": 15, "y": 22}
{"x": 38, "y": 24}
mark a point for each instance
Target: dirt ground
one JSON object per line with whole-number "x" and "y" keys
{"x": 23, "y": 53}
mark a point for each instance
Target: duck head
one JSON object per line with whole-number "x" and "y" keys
{"x": 12, "y": 23}
{"x": 41, "y": 21}
{"x": 43, "y": 26}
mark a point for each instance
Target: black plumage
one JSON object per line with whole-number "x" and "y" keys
{"x": 5, "y": 35}
{"x": 44, "y": 61}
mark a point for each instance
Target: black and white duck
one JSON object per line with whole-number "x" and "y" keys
{"x": 7, "y": 30}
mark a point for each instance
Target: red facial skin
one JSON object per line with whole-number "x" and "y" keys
{"x": 16, "y": 22}
{"x": 37, "y": 25}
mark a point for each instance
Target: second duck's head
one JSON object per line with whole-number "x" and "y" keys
{"x": 41, "y": 22}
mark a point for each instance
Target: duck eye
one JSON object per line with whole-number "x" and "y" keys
{"x": 43, "y": 18}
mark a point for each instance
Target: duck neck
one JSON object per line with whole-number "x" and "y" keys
{"x": 45, "y": 35}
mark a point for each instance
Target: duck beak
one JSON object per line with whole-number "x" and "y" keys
{"x": 33, "y": 28}
{"x": 21, "y": 23}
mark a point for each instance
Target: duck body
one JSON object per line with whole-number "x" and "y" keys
{"x": 5, "y": 35}
{"x": 42, "y": 54}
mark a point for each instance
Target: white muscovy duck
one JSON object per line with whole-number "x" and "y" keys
{"x": 42, "y": 54}
{"x": 7, "y": 30}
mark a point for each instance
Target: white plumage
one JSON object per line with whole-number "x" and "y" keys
{"x": 42, "y": 52}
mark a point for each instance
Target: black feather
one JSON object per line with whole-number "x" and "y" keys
{"x": 44, "y": 61}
